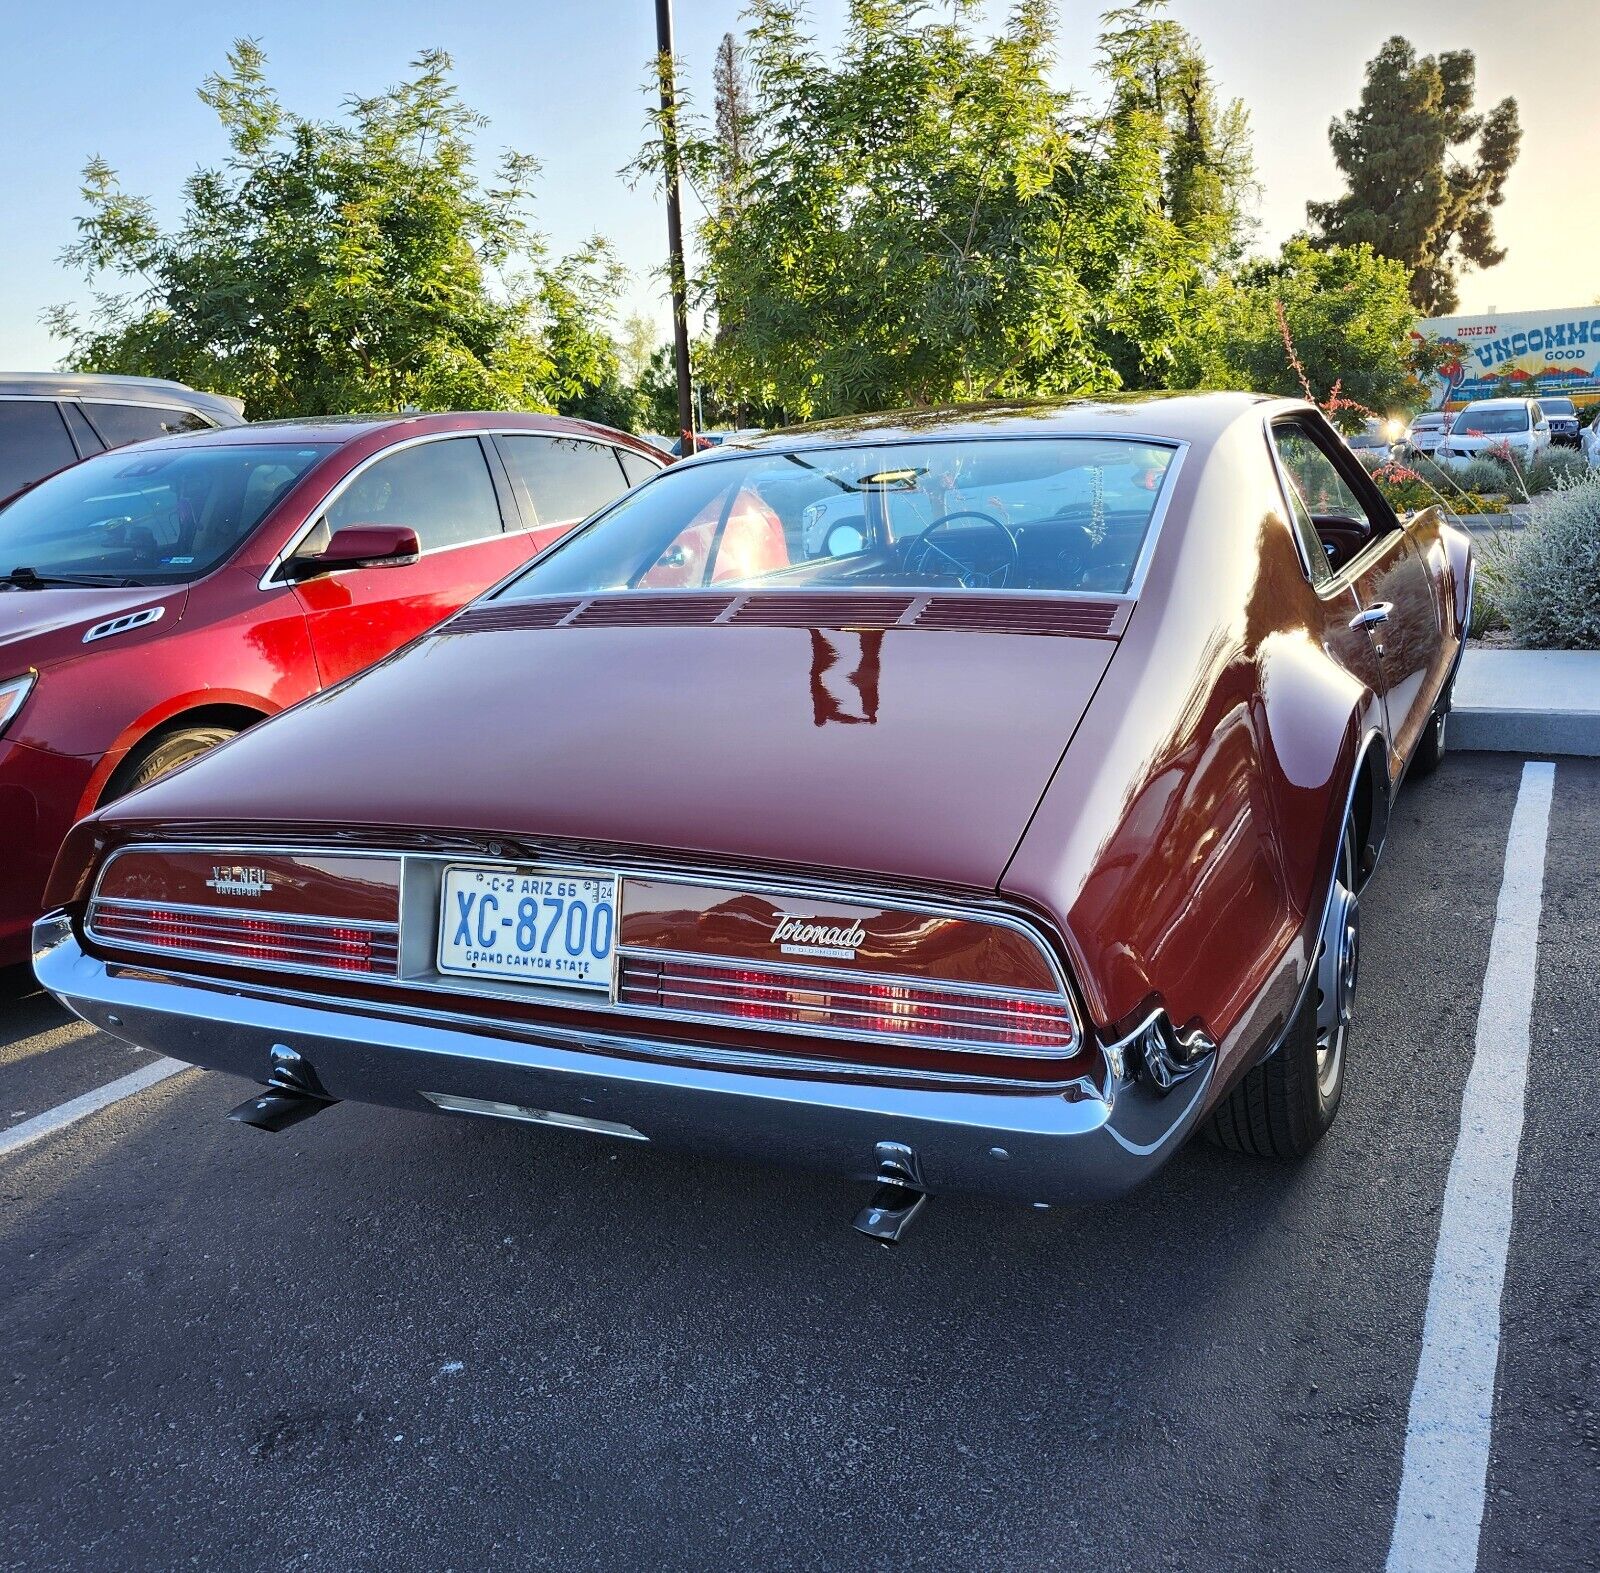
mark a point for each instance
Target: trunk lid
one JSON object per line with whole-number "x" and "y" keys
{"x": 906, "y": 752}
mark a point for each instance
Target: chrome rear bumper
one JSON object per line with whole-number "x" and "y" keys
{"x": 1060, "y": 1145}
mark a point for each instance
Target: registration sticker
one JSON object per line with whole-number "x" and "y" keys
{"x": 535, "y": 925}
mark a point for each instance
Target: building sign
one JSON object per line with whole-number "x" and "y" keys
{"x": 1517, "y": 352}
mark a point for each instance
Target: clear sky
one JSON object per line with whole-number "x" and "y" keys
{"x": 564, "y": 81}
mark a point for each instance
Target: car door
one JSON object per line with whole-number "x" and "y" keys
{"x": 559, "y": 480}
{"x": 1374, "y": 571}
{"x": 441, "y": 488}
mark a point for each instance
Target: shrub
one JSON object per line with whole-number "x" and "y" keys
{"x": 1485, "y": 475}
{"x": 1421, "y": 483}
{"x": 1555, "y": 465}
{"x": 1545, "y": 580}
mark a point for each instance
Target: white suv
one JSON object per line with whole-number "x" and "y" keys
{"x": 1488, "y": 425}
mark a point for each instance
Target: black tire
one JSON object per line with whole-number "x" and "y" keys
{"x": 166, "y": 753}
{"x": 1284, "y": 1106}
{"x": 1430, "y": 747}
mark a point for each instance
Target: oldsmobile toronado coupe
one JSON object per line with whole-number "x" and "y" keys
{"x": 968, "y": 800}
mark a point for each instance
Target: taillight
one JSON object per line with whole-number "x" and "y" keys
{"x": 312, "y": 912}
{"x": 270, "y": 942}
{"x": 976, "y": 1021}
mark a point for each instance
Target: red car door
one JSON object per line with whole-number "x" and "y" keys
{"x": 440, "y": 487}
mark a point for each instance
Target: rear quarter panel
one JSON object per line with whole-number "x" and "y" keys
{"x": 1187, "y": 841}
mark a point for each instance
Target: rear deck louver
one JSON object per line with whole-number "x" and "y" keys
{"x": 1066, "y": 616}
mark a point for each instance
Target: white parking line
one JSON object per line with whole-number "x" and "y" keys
{"x": 66, "y": 1114}
{"x": 1440, "y": 1510}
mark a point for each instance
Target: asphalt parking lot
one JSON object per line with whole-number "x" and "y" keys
{"x": 408, "y": 1340}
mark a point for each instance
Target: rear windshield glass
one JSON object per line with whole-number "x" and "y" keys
{"x": 150, "y": 515}
{"x": 1485, "y": 423}
{"x": 1003, "y": 514}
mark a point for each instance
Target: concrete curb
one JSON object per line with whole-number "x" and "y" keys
{"x": 1528, "y": 702}
{"x": 1539, "y": 732}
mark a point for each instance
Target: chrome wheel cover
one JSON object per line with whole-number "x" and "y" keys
{"x": 1338, "y": 965}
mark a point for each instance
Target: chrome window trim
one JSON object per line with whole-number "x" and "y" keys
{"x": 591, "y": 1000}
{"x": 1341, "y": 580}
{"x": 1153, "y": 527}
{"x": 268, "y": 581}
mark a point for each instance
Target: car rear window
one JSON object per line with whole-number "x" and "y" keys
{"x": 120, "y": 424}
{"x": 1020, "y": 513}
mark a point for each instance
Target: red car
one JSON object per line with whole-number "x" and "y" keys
{"x": 158, "y": 599}
{"x": 966, "y": 801}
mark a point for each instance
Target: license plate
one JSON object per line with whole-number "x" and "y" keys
{"x": 534, "y": 925}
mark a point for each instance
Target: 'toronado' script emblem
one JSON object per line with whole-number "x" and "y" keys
{"x": 239, "y": 880}
{"x": 797, "y": 937}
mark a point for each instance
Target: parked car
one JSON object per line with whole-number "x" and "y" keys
{"x": 1487, "y": 426}
{"x": 1371, "y": 442}
{"x": 1590, "y": 438}
{"x": 998, "y": 854}
{"x": 49, "y": 420}
{"x": 1562, "y": 414}
{"x": 1425, "y": 433}
{"x": 156, "y": 600}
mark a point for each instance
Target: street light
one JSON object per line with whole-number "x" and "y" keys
{"x": 680, "y": 305}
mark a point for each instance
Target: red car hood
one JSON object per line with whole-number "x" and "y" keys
{"x": 916, "y": 754}
{"x": 41, "y": 626}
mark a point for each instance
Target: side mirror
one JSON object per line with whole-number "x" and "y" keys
{"x": 362, "y": 546}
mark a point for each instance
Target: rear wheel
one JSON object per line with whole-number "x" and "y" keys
{"x": 1284, "y": 1106}
{"x": 167, "y": 753}
{"x": 1430, "y": 748}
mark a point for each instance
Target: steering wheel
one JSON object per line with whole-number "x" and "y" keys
{"x": 922, "y": 550}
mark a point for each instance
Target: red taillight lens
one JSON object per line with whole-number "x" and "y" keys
{"x": 994, "y": 1023}
{"x": 234, "y": 937}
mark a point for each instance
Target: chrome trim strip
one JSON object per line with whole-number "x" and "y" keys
{"x": 374, "y": 925}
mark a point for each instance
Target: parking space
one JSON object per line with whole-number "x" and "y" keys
{"x": 396, "y": 1337}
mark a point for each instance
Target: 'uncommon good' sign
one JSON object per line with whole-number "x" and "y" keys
{"x": 1529, "y": 352}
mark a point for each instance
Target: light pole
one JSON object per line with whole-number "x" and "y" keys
{"x": 680, "y": 306}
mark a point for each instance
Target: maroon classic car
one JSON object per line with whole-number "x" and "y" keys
{"x": 969, "y": 800}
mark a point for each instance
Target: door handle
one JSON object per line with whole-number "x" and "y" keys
{"x": 1372, "y": 615}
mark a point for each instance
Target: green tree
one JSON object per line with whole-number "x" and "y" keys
{"x": 1332, "y": 325}
{"x": 1424, "y": 171}
{"x": 1162, "y": 92}
{"x": 639, "y": 339}
{"x": 355, "y": 265}
{"x": 920, "y": 217}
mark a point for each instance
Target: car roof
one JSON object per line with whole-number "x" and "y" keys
{"x": 342, "y": 429}
{"x": 1496, "y": 404}
{"x": 1169, "y": 417}
{"x": 124, "y": 390}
